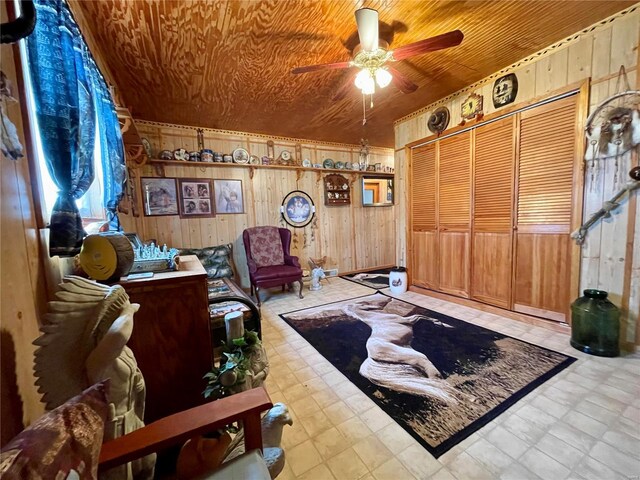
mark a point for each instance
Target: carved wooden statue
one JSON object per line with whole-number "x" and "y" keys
{"x": 83, "y": 342}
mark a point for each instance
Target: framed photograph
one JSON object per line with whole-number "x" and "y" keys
{"x": 297, "y": 209}
{"x": 196, "y": 197}
{"x": 229, "y": 197}
{"x": 159, "y": 196}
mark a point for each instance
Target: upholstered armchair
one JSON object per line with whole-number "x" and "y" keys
{"x": 269, "y": 260}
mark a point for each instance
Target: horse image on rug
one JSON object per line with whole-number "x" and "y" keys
{"x": 439, "y": 377}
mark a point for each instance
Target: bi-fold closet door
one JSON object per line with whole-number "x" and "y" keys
{"x": 493, "y": 187}
{"x": 491, "y": 211}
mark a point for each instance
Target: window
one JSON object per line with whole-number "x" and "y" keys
{"x": 90, "y": 204}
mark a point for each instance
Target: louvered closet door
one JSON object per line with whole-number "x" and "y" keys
{"x": 423, "y": 216}
{"x": 492, "y": 211}
{"x": 545, "y": 184}
{"x": 454, "y": 209}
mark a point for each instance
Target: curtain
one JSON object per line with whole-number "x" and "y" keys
{"x": 112, "y": 150}
{"x": 65, "y": 110}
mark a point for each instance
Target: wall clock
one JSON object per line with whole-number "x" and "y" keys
{"x": 471, "y": 107}
{"x": 505, "y": 90}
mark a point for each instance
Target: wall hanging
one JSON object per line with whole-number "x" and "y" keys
{"x": 505, "y": 90}
{"x": 297, "y": 209}
{"x": 439, "y": 120}
{"x": 160, "y": 196}
{"x": 9, "y": 142}
{"x": 229, "y": 198}
{"x": 608, "y": 206}
{"x": 613, "y": 128}
{"x": 336, "y": 190}
{"x": 196, "y": 197}
{"x": 471, "y": 107}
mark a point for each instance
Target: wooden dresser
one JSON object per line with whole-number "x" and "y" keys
{"x": 171, "y": 337}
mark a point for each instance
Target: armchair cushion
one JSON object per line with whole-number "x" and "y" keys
{"x": 215, "y": 260}
{"x": 266, "y": 246}
{"x": 250, "y": 465}
{"x": 64, "y": 439}
{"x": 277, "y": 272}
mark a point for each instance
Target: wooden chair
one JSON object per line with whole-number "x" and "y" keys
{"x": 176, "y": 429}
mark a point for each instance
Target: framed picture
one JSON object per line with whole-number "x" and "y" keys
{"x": 229, "y": 197}
{"x": 159, "y": 196}
{"x": 196, "y": 197}
{"x": 297, "y": 209}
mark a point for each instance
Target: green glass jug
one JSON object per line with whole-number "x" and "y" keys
{"x": 595, "y": 324}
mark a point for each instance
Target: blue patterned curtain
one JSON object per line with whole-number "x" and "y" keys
{"x": 113, "y": 160}
{"x": 66, "y": 117}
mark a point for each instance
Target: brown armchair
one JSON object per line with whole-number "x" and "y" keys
{"x": 178, "y": 428}
{"x": 269, "y": 260}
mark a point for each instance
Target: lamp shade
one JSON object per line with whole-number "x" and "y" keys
{"x": 383, "y": 77}
{"x": 365, "y": 82}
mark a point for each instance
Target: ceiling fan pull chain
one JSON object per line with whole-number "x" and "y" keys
{"x": 364, "y": 111}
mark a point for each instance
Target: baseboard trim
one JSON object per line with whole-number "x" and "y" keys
{"x": 521, "y": 317}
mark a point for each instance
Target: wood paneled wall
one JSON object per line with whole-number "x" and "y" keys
{"x": 352, "y": 237}
{"x": 22, "y": 286}
{"x": 611, "y": 253}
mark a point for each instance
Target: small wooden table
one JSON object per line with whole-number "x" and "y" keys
{"x": 226, "y": 296}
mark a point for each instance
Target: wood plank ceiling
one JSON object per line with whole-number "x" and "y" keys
{"x": 226, "y": 64}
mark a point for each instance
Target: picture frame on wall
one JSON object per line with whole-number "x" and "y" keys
{"x": 228, "y": 196}
{"x": 159, "y": 196}
{"x": 297, "y": 209}
{"x": 196, "y": 197}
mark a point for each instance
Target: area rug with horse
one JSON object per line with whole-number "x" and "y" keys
{"x": 438, "y": 377}
{"x": 375, "y": 279}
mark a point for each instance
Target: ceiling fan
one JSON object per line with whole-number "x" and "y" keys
{"x": 372, "y": 56}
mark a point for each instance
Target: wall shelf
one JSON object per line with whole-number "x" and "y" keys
{"x": 178, "y": 163}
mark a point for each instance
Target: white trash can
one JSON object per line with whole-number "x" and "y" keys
{"x": 398, "y": 280}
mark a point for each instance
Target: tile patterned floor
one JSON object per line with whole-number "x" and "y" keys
{"x": 582, "y": 424}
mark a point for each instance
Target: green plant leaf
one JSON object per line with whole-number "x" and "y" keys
{"x": 239, "y": 342}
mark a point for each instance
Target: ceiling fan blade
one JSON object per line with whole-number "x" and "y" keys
{"x": 367, "y": 20}
{"x": 446, "y": 40}
{"x": 321, "y": 66}
{"x": 346, "y": 87}
{"x": 401, "y": 81}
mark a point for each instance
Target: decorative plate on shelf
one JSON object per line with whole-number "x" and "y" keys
{"x": 285, "y": 155}
{"x": 328, "y": 163}
{"x": 240, "y": 155}
{"x": 339, "y": 165}
{"x": 254, "y": 160}
{"x": 306, "y": 163}
{"x": 166, "y": 155}
{"x": 347, "y": 165}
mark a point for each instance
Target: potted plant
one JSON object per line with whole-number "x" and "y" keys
{"x": 236, "y": 367}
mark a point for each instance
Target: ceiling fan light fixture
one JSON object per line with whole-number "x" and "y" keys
{"x": 383, "y": 77}
{"x": 365, "y": 82}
